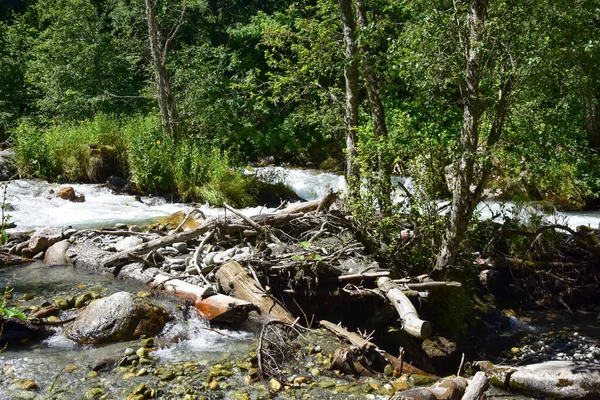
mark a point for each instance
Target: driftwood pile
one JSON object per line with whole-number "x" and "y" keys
{"x": 298, "y": 251}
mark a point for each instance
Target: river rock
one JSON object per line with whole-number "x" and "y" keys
{"x": 128, "y": 243}
{"x": 44, "y": 238}
{"x": 441, "y": 352}
{"x": 66, "y": 193}
{"x": 414, "y": 394}
{"x": 180, "y": 247}
{"x": 119, "y": 317}
{"x": 57, "y": 254}
{"x": 8, "y": 166}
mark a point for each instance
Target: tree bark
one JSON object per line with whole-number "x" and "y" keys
{"x": 352, "y": 97}
{"x": 158, "y": 50}
{"x": 477, "y": 387}
{"x": 592, "y": 124}
{"x": 462, "y": 197}
{"x": 411, "y": 323}
{"x": 216, "y": 307}
{"x": 235, "y": 282}
{"x": 378, "y": 113}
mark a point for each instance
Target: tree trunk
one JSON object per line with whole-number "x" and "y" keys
{"x": 462, "y": 197}
{"x": 352, "y": 99}
{"x": 378, "y": 112}
{"x": 592, "y": 124}
{"x": 158, "y": 49}
{"x": 235, "y": 282}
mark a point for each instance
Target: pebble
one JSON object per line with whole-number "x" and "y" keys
{"x": 180, "y": 247}
{"x": 556, "y": 345}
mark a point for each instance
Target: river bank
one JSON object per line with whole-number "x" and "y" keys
{"x": 299, "y": 270}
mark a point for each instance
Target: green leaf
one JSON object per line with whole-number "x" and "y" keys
{"x": 305, "y": 245}
{"x": 13, "y": 312}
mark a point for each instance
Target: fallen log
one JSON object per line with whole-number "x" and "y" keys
{"x": 477, "y": 387}
{"x": 234, "y": 281}
{"x": 213, "y": 307}
{"x": 364, "y": 275}
{"x": 352, "y": 337}
{"x": 378, "y": 359}
{"x": 7, "y": 259}
{"x": 432, "y": 285}
{"x": 313, "y": 205}
{"x": 448, "y": 389}
{"x": 225, "y": 227}
{"x": 411, "y": 323}
{"x": 550, "y": 379}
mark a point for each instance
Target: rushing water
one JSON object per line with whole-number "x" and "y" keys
{"x": 43, "y": 362}
{"x": 32, "y": 206}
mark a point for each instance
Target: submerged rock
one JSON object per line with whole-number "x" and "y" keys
{"x": 119, "y": 317}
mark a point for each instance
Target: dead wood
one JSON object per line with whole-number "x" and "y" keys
{"x": 351, "y": 361}
{"x": 275, "y": 349}
{"x": 235, "y": 281}
{"x": 112, "y": 232}
{"x": 7, "y": 259}
{"x": 213, "y": 307}
{"x": 543, "y": 265}
{"x": 452, "y": 388}
{"x": 352, "y": 337}
{"x": 477, "y": 387}
{"x": 411, "y": 323}
{"x": 374, "y": 358}
{"x": 313, "y": 205}
{"x": 257, "y": 227}
{"x": 44, "y": 312}
{"x": 224, "y": 227}
{"x": 432, "y": 285}
{"x": 364, "y": 275}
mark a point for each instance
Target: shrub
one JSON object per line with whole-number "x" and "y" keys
{"x": 149, "y": 155}
{"x": 75, "y": 152}
{"x": 66, "y": 152}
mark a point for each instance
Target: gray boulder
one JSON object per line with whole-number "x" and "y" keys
{"x": 57, "y": 254}
{"x": 119, "y": 317}
{"x": 8, "y": 166}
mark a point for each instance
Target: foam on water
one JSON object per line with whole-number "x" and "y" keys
{"x": 308, "y": 184}
{"x": 34, "y": 207}
{"x": 194, "y": 338}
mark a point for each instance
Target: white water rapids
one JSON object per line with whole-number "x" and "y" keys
{"x": 32, "y": 206}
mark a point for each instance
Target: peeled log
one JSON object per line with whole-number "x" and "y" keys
{"x": 234, "y": 281}
{"x": 411, "y": 323}
{"x": 477, "y": 387}
{"x": 218, "y": 307}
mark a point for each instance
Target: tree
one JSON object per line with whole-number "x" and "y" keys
{"x": 160, "y": 42}
{"x": 378, "y": 113}
{"x": 352, "y": 94}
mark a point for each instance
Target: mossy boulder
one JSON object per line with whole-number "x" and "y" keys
{"x": 119, "y": 317}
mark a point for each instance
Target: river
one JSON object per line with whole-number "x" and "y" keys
{"x": 32, "y": 206}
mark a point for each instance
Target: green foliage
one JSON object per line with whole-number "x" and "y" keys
{"x": 10, "y": 312}
{"x": 71, "y": 152}
{"x": 149, "y": 155}
{"x": 63, "y": 151}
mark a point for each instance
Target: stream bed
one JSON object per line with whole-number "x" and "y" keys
{"x": 62, "y": 369}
